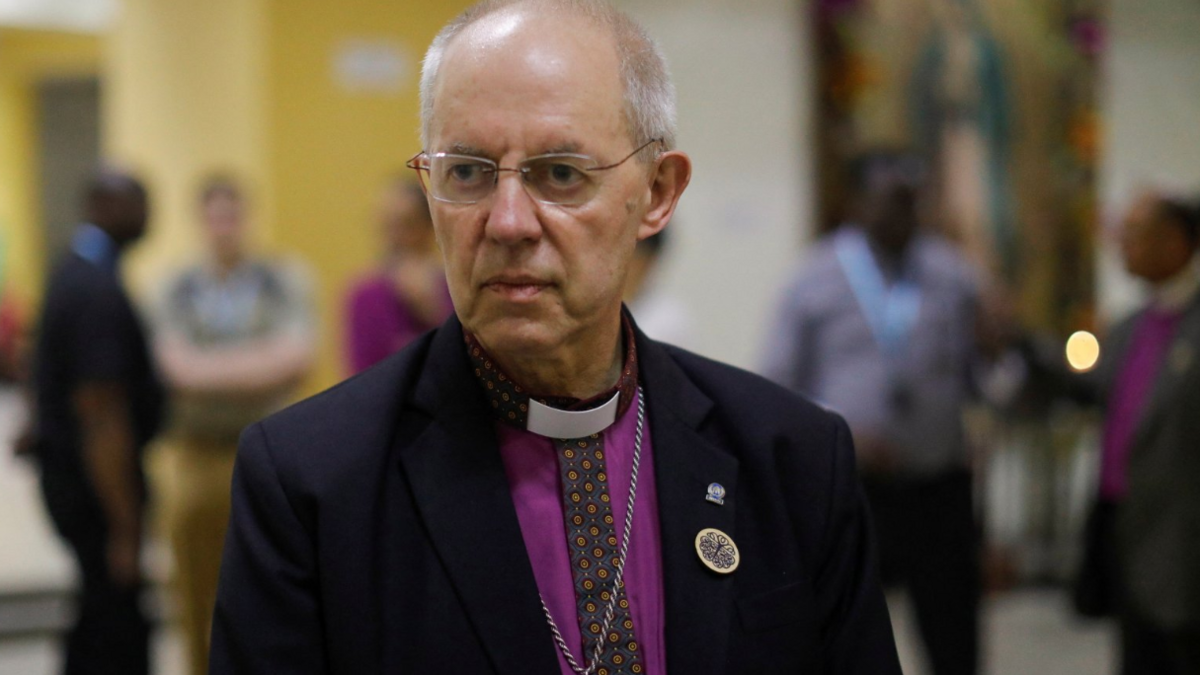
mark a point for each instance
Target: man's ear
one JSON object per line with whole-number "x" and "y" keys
{"x": 672, "y": 172}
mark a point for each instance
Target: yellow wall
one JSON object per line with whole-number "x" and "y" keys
{"x": 185, "y": 92}
{"x": 26, "y": 58}
{"x": 250, "y": 86}
{"x": 332, "y": 149}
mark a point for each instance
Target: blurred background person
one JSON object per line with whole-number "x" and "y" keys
{"x": 234, "y": 336}
{"x": 1148, "y": 517}
{"x": 13, "y": 371}
{"x": 880, "y": 326}
{"x": 10, "y": 324}
{"x": 407, "y": 295}
{"x": 97, "y": 405}
{"x": 11, "y": 337}
{"x": 658, "y": 313}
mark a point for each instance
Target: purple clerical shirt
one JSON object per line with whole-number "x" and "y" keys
{"x": 531, "y": 464}
{"x": 1135, "y": 382}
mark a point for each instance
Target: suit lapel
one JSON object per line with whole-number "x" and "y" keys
{"x": 699, "y": 603}
{"x": 1114, "y": 351}
{"x": 458, "y": 482}
{"x": 1182, "y": 356}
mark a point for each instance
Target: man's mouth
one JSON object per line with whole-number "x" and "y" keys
{"x": 516, "y": 288}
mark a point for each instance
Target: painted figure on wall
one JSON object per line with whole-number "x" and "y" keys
{"x": 961, "y": 121}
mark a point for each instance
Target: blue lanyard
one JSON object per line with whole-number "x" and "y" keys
{"x": 95, "y": 246}
{"x": 891, "y": 312}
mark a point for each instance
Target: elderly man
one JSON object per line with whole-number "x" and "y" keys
{"x": 536, "y": 487}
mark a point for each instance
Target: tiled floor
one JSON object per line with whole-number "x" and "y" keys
{"x": 32, "y": 560}
{"x": 31, "y": 557}
{"x": 1027, "y": 632}
{"x": 40, "y": 656}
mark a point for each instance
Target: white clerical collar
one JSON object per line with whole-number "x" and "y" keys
{"x": 554, "y": 423}
{"x": 1178, "y": 291}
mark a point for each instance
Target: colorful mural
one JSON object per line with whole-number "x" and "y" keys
{"x": 1000, "y": 98}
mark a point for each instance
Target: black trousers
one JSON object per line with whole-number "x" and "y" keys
{"x": 110, "y": 635}
{"x": 929, "y": 544}
{"x": 1145, "y": 647}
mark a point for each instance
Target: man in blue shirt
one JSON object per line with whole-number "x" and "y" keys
{"x": 880, "y": 326}
{"x": 97, "y": 404}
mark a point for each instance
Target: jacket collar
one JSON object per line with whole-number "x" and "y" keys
{"x": 456, "y": 475}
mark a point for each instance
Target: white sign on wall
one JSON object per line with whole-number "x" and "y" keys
{"x": 371, "y": 66}
{"x": 88, "y": 16}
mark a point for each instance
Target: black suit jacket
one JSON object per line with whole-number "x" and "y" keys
{"x": 373, "y": 530}
{"x": 1158, "y": 521}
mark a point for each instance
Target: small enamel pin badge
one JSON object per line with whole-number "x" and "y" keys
{"x": 717, "y": 551}
{"x": 716, "y": 494}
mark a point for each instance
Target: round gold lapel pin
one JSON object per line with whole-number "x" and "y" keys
{"x": 717, "y": 551}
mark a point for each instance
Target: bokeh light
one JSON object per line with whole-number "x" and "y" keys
{"x": 1083, "y": 351}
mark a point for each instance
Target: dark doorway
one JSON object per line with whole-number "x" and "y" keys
{"x": 69, "y": 152}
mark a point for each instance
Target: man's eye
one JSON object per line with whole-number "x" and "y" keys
{"x": 465, "y": 172}
{"x": 556, "y": 174}
{"x": 564, "y": 174}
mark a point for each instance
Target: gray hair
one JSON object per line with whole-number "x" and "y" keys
{"x": 649, "y": 92}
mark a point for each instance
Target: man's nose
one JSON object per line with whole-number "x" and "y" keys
{"x": 513, "y": 217}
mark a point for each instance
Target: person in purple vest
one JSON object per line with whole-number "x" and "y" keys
{"x": 1150, "y": 461}
{"x": 536, "y": 487}
{"x": 407, "y": 295}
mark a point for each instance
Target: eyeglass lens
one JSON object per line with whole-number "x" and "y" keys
{"x": 552, "y": 179}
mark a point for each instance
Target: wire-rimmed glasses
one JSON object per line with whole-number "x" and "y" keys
{"x": 563, "y": 179}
